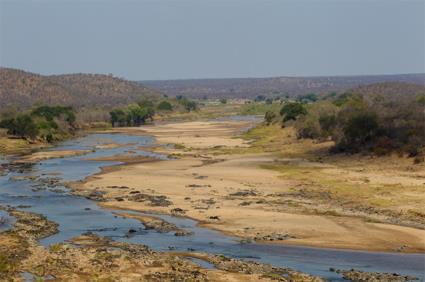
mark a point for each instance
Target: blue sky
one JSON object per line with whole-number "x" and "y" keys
{"x": 162, "y": 39}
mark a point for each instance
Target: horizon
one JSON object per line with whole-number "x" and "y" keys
{"x": 213, "y": 78}
{"x": 163, "y": 40}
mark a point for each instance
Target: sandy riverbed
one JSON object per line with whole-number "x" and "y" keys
{"x": 232, "y": 194}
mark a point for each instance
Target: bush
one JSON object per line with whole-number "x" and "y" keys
{"x": 311, "y": 97}
{"x": 189, "y": 105}
{"x": 376, "y": 123}
{"x": 360, "y": 130}
{"x": 291, "y": 111}
{"x": 223, "y": 100}
{"x": 318, "y": 122}
{"x": 269, "y": 101}
{"x": 21, "y": 126}
{"x": 165, "y": 106}
{"x": 133, "y": 115}
{"x": 269, "y": 117}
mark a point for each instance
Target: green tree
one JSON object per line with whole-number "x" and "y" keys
{"x": 165, "y": 106}
{"x": 118, "y": 117}
{"x": 360, "y": 129}
{"x": 269, "y": 117}
{"x": 291, "y": 111}
{"x": 22, "y": 126}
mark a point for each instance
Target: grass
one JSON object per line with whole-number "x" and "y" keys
{"x": 6, "y": 266}
{"x": 209, "y": 110}
{"x": 13, "y": 146}
{"x": 214, "y": 109}
{"x": 342, "y": 189}
{"x": 258, "y": 108}
{"x": 55, "y": 248}
{"x": 326, "y": 177}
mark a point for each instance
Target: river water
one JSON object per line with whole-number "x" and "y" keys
{"x": 38, "y": 188}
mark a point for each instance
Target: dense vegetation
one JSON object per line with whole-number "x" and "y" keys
{"x": 133, "y": 115}
{"x": 359, "y": 122}
{"x": 144, "y": 111}
{"x": 49, "y": 123}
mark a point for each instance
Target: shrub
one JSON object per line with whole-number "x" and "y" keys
{"x": 311, "y": 97}
{"x": 22, "y": 126}
{"x": 189, "y": 105}
{"x": 269, "y": 117}
{"x": 133, "y": 115}
{"x": 118, "y": 117}
{"x": 165, "y": 106}
{"x": 291, "y": 111}
{"x": 318, "y": 122}
{"x": 361, "y": 128}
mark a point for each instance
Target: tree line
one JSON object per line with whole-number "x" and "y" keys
{"x": 139, "y": 113}
{"x": 49, "y": 123}
{"x": 357, "y": 123}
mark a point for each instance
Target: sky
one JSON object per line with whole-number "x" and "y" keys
{"x": 175, "y": 39}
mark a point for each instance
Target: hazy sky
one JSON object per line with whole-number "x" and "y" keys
{"x": 162, "y": 39}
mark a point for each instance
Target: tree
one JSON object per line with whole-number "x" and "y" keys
{"x": 311, "y": 97}
{"x": 291, "y": 111}
{"x": 317, "y": 122}
{"x": 360, "y": 130}
{"x": 118, "y": 117}
{"x": 137, "y": 115}
{"x": 165, "y": 106}
{"x": 22, "y": 126}
{"x": 223, "y": 100}
{"x": 189, "y": 105}
{"x": 269, "y": 117}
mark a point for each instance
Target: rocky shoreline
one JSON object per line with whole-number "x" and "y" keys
{"x": 90, "y": 256}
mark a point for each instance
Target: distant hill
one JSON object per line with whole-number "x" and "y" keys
{"x": 22, "y": 89}
{"x": 390, "y": 89}
{"x": 292, "y": 86}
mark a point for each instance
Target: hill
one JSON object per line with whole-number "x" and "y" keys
{"x": 292, "y": 86}
{"x": 22, "y": 89}
{"x": 390, "y": 89}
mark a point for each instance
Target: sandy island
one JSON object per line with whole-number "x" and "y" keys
{"x": 233, "y": 194}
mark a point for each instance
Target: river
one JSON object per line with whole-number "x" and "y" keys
{"x": 39, "y": 188}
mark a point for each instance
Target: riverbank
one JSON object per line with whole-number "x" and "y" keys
{"x": 241, "y": 186}
{"x": 94, "y": 258}
{"x": 11, "y": 146}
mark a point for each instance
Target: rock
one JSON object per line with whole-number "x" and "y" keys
{"x": 274, "y": 237}
{"x": 183, "y": 233}
{"x": 244, "y": 193}
{"x": 156, "y": 201}
{"x": 177, "y": 211}
{"x": 362, "y": 276}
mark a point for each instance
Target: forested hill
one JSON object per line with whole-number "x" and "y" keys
{"x": 22, "y": 89}
{"x": 292, "y": 86}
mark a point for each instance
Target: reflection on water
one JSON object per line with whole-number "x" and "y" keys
{"x": 40, "y": 188}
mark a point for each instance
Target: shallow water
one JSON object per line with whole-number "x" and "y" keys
{"x": 76, "y": 215}
{"x": 6, "y": 221}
